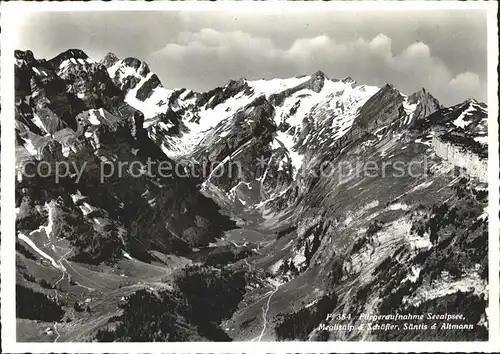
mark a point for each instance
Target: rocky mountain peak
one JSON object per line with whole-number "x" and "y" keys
{"x": 473, "y": 101}
{"x": 426, "y": 104}
{"x": 137, "y": 64}
{"x": 318, "y": 74}
{"x": 317, "y": 81}
{"x": 130, "y": 72}
{"x": 237, "y": 84}
{"x": 348, "y": 80}
{"x": 24, "y": 58}
{"x": 424, "y": 95}
{"x": 73, "y": 53}
{"x": 24, "y": 54}
{"x": 381, "y": 109}
{"x": 109, "y": 60}
{"x": 69, "y": 54}
{"x": 388, "y": 87}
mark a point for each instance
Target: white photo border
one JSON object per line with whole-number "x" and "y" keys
{"x": 9, "y": 13}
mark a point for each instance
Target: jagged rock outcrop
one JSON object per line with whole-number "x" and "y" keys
{"x": 425, "y": 103}
{"x": 92, "y": 140}
{"x": 109, "y": 60}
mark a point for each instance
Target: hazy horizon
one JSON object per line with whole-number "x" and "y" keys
{"x": 443, "y": 51}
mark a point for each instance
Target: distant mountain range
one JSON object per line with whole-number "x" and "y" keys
{"x": 302, "y": 241}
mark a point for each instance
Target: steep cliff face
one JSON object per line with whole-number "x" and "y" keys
{"x": 474, "y": 165}
{"x": 460, "y": 136}
{"x": 104, "y": 150}
{"x": 378, "y": 220}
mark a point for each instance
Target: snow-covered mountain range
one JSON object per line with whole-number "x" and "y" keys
{"x": 311, "y": 232}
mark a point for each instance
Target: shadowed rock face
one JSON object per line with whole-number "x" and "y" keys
{"x": 146, "y": 89}
{"x": 140, "y": 66}
{"x": 380, "y": 110}
{"x": 152, "y": 210}
{"x": 70, "y": 53}
{"x": 109, "y": 60}
{"x": 317, "y": 81}
{"x": 250, "y": 130}
{"x": 220, "y": 94}
{"x": 426, "y": 104}
{"x": 27, "y": 56}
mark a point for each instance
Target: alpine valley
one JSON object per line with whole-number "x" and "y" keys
{"x": 302, "y": 241}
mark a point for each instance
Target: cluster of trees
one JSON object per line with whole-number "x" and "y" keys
{"x": 387, "y": 284}
{"x": 211, "y": 294}
{"x": 34, "y": 305}
{"x": 45, "y": 284}
{"x": 459, "y": 235}
{"x": 221, "y": 256}
{"x": 25, "y": 251}
{"x": 298, "y": 325}
{"x": 203, "y": 297}
{"x": 466, "y": 303}
{"x": 147, "y": 317}
{"x": 289, "y": 266}
{"x": 89, "y": 246}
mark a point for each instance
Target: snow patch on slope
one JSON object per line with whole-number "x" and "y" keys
{"x": 409, "y": 110}
{"x": 285, "y": 140}
{"x": 272, "y": 86}
{"x": 67, "y": 64}
{"x": 460, "y": 121}
{"x": 151, "y": 107}
{"x": 199, "y": 126}
{"x": 37, "y": 250}
{"x": 331, "y": 112}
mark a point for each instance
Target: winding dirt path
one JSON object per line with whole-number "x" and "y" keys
{"x": 264, "y": 314}
{"x": 57, "y": 332}
{"x": 250, "y": 268}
